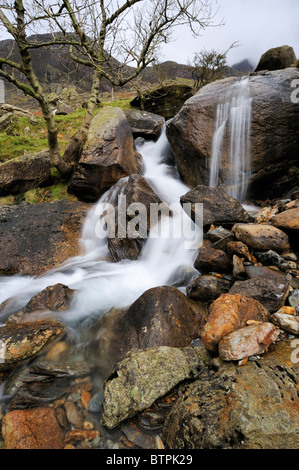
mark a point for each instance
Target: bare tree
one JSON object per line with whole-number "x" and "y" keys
{"x": 208, "y": 66}
{"x": 116, "y": 38}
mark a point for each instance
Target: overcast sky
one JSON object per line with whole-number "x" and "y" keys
{"x": 257, "y": 25}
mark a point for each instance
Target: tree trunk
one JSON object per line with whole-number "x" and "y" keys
{"x": 74, "y": 150}
{"x": 64, "y": 168}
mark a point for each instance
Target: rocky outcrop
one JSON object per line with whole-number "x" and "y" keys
{"x": 109, "y": 154}
{"x": 145, "y": 124}
{"x": 140, "y": 378}
{"x": 277, "y": 58}
{"x": 274, "y": 130}
{"x": 165, "y": 101}
{"x": 38, "y": 237}
{"x": 249, "y": 407}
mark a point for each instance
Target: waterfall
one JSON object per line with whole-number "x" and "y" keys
{"x": 102, "y": 284}
{"x": 230, "y": 160}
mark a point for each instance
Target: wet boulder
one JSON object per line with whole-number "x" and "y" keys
{"x": 207, "y": 288}
{"x": 209, "y": 259}
{"x": 135, "y": 190}
{"x": 37, "y": 428}
{"x": 218, "y": 207}
{"x": 274, "y": 132}
{"x": 161, "y": 316}
{"x": 270, "y": 292}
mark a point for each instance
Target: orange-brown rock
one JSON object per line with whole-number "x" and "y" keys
{"x": 287, "y": 220}
{"x": 248, "y": 341}
{"x": 35, "y": 428}
{"x": 229, "y": 313}
{"x": 209, "y": 259}
{"x": 239, "y": 248}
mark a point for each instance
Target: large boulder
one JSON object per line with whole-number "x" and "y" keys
{"x": 23, "y": 173}
{"x": 274, "y": 130}
{"x": 109, "y": 154}
{"x": 249, "y": 407}
{"x": 277, "y": 58}
{"x": 165, "y": 101}
{"x": 38, "y": 237}
{"x": 161, "y": 316}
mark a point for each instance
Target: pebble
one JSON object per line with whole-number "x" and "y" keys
{"x": 95, "y": 404}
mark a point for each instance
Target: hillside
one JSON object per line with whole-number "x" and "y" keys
{"x": 56, "y": 71}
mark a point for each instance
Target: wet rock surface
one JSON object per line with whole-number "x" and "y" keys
{"x": 32, "y": 429}
{"x": 262, "y": 237}
{"x": 271, "y": 293}
{"x": 38, "y": 237}
{"x": 134, "y": 190}
{"x": 249, "y": 341}
{"x": 231, "y": 407}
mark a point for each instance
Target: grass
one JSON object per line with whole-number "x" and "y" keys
{"x": 26, "y": 137}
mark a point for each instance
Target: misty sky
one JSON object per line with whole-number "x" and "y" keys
{"x": 257, "y": 25}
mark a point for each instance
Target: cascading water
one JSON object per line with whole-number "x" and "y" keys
{"x": 232, "y": 138}
{"x": 102, "y": 284}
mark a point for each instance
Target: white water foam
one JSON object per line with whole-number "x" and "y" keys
{"x": 233, "y": 122}
{"x": 102, "y": 284}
